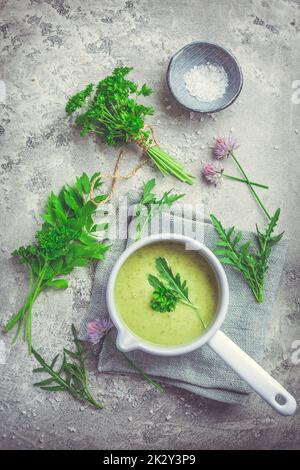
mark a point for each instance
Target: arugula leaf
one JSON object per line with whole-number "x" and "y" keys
{"x": 71, "y": 377}
{"x": 250, "y": 260}
{"x": 173, "y": 282}
{"x": 148, "y": 196}
{"x": 169, "y": 289}
{"x": 149, "y": 206}
{"x": 67, "y": 239}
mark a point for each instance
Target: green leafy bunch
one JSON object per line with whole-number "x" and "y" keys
{"x": 163, "y": 299}
{"x": 68, "y": 238}
{"x": 55, "y": 241}
{"x": 71, "y": 376}
{"x": 248, "y": 258}
{"x": 169, "y": 289}
{"x": 113, "y": 111}
{"x": 149, "y": 206}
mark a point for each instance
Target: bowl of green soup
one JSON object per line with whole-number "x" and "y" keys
{"x": 168, "y": 295}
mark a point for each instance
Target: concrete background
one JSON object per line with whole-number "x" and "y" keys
{"x": 49, "y": 49}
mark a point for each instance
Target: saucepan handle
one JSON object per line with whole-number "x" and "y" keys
{"x": 258, "y": 379}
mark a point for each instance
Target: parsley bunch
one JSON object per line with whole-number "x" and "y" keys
{"x": 111, "y": 110}
{"x": 163, "y": 299}
{"x": 68, "y": 238}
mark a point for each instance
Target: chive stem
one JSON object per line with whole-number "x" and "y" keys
{"x": 235, "y": 178}
{"x": 250, "y": 186}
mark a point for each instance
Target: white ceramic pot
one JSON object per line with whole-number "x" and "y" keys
{"x": 260, "y": 381}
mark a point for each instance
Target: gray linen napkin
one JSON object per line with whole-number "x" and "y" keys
{"x": 201, "y": 371}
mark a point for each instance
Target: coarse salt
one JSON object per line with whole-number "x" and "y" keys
{"x": 206, "y": 82}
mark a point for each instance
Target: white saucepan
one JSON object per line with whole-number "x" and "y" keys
{"x": 260, "y": 381}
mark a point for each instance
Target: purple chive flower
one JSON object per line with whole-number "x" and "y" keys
{"x": 223, "y": 147}
{"x": 212, "y": 173}
{"x": 97, "y": 329}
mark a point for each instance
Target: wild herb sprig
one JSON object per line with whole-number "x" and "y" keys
{"x": 71, "y": 376}
{"x": 169, "y": 289}
{"x": 111, "y": 111}
{"x": 68, "y": 238}
{"x": 250, "y": 260}
{"x": 150, "y": 206}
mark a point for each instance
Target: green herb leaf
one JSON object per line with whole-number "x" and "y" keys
{"x": 58, "y": 284}
{"x": 172, "y": 281}
{"x": 168, "y": 289}
{"x": 67, "y": 239}
{"x": 150, "y": 206}
{"x": 250, "y": 260}
{"x": 163, "y": 300}
{"x": 71, "y": 377}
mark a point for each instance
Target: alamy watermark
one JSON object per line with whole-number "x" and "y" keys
{"x": 2, "y": 92}
{"x": 296, "y": 93}
{"x": 2, "y": 352}
{"x": 125, "y": 220}
{"x": 295, "y": 358}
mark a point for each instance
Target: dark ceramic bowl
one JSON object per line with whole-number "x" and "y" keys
{"x": 197, "y": 53}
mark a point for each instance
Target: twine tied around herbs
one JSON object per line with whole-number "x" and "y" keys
{"x": 145, "y": 146}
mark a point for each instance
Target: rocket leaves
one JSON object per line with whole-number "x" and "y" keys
{"x": 149, "y": 206}
{"x": 71, "y": 376}
{"x": 250, "y": 259}
{"x": 169, "y": 289}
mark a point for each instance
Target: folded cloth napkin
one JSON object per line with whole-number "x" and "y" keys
{"x": 201, "y": 371}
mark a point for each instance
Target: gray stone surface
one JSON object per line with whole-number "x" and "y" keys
{"x": 48, "y": 50}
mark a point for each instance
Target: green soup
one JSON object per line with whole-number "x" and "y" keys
{"x": 133, "y": 294}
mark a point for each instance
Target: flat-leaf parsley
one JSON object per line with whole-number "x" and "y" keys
{"x": 68, "y": 238}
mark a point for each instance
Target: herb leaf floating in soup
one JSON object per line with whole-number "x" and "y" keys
{"x": 173, "y": 282}
{"x": 163, "y": 300}
{"x": 133, "y": 294}
{"x": 170, "y": 290}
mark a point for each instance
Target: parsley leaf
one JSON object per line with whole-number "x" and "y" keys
{"x": 163, "y": 300}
